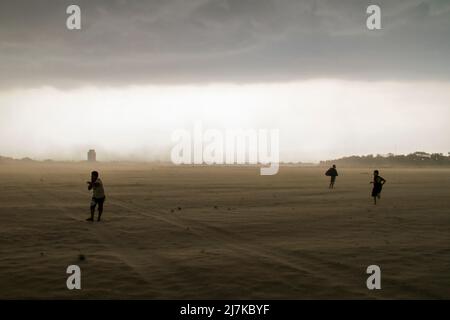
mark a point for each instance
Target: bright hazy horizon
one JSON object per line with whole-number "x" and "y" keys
{"x": 136, "y": 123}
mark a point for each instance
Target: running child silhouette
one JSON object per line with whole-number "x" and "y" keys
{"x": 98, "y": 196}
{"x": 378, "y": 183}
{"x": 332, "y": 173}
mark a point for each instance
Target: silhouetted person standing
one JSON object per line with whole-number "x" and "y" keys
{"x": 332, "y": 173}
{"x": 98, "y": 197}
{"x": 378, "y": 183}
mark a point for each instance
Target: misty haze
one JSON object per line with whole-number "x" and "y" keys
{"x": 92, "y": 94}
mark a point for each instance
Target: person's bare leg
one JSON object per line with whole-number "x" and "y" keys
{"x": 92, "y": 214}
{"x": 100, "y": 211}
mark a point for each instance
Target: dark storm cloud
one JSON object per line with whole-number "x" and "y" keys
{"x": 187, "y": 41}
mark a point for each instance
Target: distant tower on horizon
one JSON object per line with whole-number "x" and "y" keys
{"x": 92, "y": 156}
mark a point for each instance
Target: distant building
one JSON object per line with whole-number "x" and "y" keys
{"x": 91, "y": 156}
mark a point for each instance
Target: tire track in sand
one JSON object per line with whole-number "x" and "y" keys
{"x": 236, "y": 243}
{"x": 49, "y": 201}
{"x": 332, "y": 268}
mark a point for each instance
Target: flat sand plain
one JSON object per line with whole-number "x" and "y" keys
{"x": 223, "y": 232}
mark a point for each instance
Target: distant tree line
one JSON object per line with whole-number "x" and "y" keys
{"x": 8, "y": 159}
{"x": 418, "y": 158}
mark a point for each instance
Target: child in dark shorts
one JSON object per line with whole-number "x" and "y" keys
{"x": 98, "y": 197}
{"x": 332, "y": 173}
{"x": 378, "y": 183}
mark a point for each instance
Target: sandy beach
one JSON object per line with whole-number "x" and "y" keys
{"x": 223, "y": 232}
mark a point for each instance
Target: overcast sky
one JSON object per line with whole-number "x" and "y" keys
{"x": 159, "y": 41}
{"x": 226, "y": 49}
